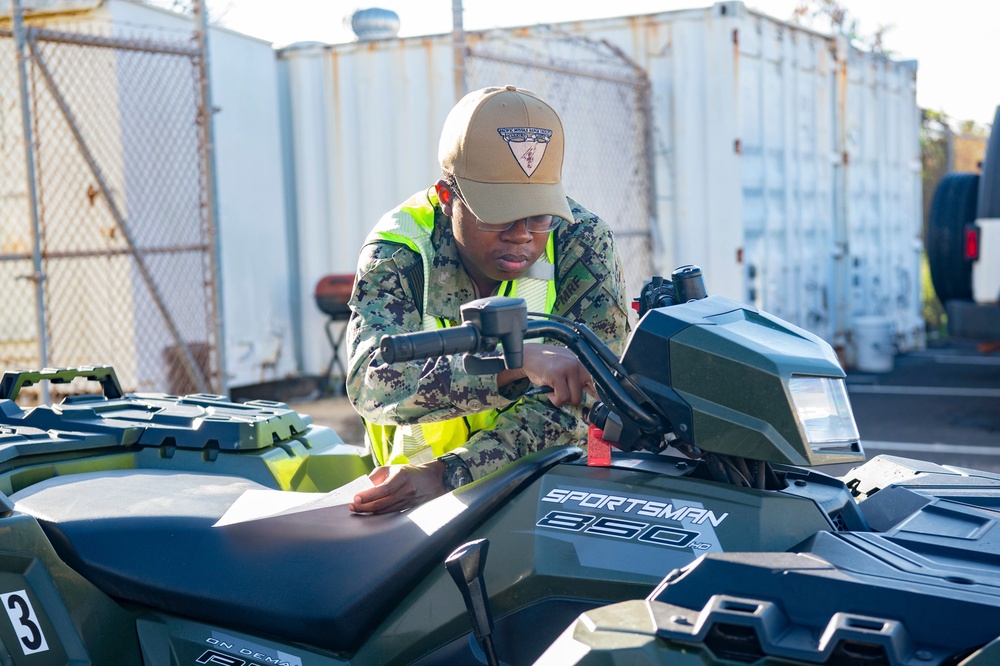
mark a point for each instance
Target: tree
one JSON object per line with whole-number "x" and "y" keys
{"x": 835, "y": 17}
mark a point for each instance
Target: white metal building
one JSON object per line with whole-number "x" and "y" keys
{"x": 785, "y": 162}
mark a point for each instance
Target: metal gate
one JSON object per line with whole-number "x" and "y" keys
{"x": 603, "y": 99}
{"x": 106, "y": 225}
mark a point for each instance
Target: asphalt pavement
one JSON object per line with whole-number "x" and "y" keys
{"x": 940, "y": 404}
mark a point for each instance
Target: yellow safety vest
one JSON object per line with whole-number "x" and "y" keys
{"x": 411, "y": 225}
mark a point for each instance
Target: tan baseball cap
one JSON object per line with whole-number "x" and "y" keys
{"x": 505, "y": 148}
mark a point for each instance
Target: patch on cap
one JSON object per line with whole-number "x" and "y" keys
{"x": 527, "y": 145}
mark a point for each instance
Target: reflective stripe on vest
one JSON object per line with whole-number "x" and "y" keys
{"x": 412, "y": 225}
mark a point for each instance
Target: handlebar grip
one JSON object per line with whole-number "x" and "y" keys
{"x": 428, "y": 344}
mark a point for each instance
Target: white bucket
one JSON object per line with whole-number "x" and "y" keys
{"x": 874, "y": 349}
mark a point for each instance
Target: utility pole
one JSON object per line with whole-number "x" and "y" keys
{"x": 458, "y": 48}
{"x": 29, "y": 149}
{"x": 208, "y": 133}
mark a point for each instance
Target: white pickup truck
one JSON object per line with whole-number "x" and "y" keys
{"x": 963, "y": 246}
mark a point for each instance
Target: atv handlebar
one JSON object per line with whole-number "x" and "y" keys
{"x": 499, "y": 320}
{"x": 430, "y": 344}
{"x": 593, "y": 354}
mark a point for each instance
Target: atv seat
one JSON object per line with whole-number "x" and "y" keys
{"x": 323, "y": 577}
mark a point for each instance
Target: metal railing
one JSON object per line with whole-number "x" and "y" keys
{"x": 603, "y": 99}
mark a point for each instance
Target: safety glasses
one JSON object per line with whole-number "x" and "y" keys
{"x": 536, "y": 224}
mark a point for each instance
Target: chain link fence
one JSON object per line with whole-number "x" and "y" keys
{"x": 106, "y": 231}
{"x": 603, "y": 100}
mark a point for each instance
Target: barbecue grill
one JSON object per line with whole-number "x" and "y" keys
{"x": 333, "y": 294}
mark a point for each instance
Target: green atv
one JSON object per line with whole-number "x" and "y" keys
{"x": 704, "y": 537}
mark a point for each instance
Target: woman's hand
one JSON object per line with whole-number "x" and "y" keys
{"x": 399, "y": 487}
{"x": 557, "y": 367}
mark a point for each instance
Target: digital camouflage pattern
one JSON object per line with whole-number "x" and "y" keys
{"x": 590, "y": 288}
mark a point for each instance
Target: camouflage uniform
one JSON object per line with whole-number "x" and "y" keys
{"x": 590, "y": 288}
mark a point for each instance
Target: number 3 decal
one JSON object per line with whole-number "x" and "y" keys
{"x": 22, "y": 617}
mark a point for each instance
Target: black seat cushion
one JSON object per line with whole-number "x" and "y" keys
{"x": 146, "y": 536}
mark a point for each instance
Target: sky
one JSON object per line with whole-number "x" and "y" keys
{"x": 955, "y": 42}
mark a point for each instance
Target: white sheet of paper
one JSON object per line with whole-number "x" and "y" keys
{"x": 258, "y": 504}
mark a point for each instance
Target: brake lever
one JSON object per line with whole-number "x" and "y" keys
{"x": 542, "y": 390}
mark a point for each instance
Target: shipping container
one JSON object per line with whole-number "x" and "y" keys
{"x": 783, "y": 161}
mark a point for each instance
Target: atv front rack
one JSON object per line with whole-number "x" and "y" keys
{"x": 261, "y": 440}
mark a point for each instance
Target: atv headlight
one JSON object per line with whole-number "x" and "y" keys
{"x": 824, "y": 411}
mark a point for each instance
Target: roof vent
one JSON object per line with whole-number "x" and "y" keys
{"x": 375, "y": 23}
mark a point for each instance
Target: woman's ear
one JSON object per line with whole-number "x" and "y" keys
{"x": 445, "y": 196}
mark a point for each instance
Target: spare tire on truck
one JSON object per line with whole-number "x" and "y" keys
{"x": 953, "y": 207}
{"x": 989, "y": 186}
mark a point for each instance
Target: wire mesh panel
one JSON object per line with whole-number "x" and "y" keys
{"x": 122, "y": 210}
{"x": 603, "y": 101}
